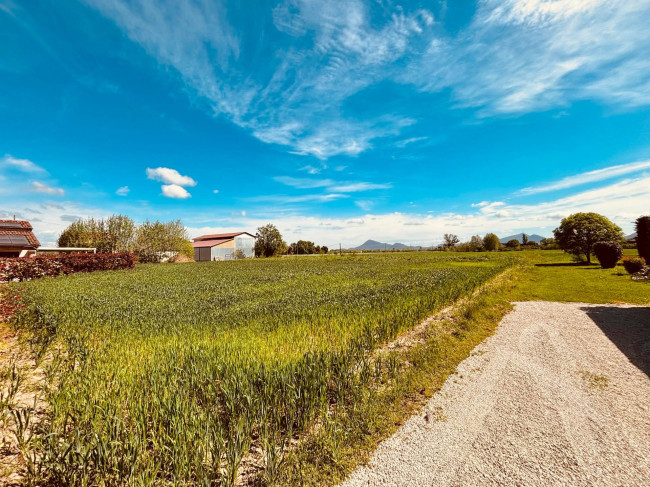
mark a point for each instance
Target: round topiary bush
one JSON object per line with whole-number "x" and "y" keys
{"x": 633, "y": 265}
{"x": 608, "y": 254}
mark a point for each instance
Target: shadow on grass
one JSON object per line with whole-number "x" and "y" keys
{"x": 628, "y": 329}
{"x": 565, "y": 264}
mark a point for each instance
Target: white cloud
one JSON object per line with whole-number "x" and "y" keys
{"x": 622, "y": 202}
{"x": 24, "y": 165}
{"x": 39, "y": 187}
{"x": 521, "y": 56}
{"x": 330, "y": 184}
{"x": 169, "y": 176}
{"x": 355, "y": 187}
{"x": 175, "y": 191}
{"x": 514, "y": 57}
{"x": 284, "y": 199}
{"x": 589, "y": 177}
{"x": 123, "y": 191}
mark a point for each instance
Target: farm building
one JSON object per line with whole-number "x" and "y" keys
{"x": 223, "y": 246}
{"x": 17, "y": 238}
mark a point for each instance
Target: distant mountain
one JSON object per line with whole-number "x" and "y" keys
{"x": 520, "y": 236}
{"x": 630, "y": 236}
{"x": 374, "y": 245}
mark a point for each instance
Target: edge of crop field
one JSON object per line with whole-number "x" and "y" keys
{"x": 327, "y": 456}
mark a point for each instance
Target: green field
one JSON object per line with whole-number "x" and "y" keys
{"x": 174, "y": 374}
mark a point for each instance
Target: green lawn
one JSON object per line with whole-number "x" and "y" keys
{"x": 551, "y": 275}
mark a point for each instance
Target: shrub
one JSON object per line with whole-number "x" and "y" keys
{"x": 54, "y": 265}
{"x": 633, "y": 265}
{"x": 513, "y": 244}
{"x": 642, "y": 227}
{"x": 608, "y": 253}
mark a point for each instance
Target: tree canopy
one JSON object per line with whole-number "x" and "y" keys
{"x": 642, "y": 227}
{"x": 491, "y": 242}
{"x": 113, "y": 234}
{"x": 578, "y": 233}
{"x": 269, "y": 242}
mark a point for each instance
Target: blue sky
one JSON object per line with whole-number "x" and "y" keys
{"x": 336, "y": 120}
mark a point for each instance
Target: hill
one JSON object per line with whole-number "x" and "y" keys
{"x": 374, "y": 245}
{"x": 520, "y": 236}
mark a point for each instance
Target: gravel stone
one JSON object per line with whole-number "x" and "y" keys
{"x": 558, "y": 396}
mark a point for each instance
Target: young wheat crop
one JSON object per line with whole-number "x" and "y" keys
{"x": 168, "y": 374}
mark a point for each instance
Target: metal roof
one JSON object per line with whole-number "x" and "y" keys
{"x": 219, "y": 236}
{"x": 211, "y": 243}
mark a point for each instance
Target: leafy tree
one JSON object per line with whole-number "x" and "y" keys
{"x": 450, "y": 240}
{"x": 578, "y": 233}
{"x": 491, "y": 242}
{"x": 324, "y": 249}
{"x": 476, "y": 244}
{"x": 157, "y": 241}
{"x": 114, "y": 234}
{"x": 513, "y": 244}
{"x": 121, "y": 232}
{"x": 642, "y": 227}
{"x": 524, "y": 239}
{"x": 269, "y": 242}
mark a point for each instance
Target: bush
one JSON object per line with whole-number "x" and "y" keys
{"x": 642, "y": 227}
{"x": 608, "y": 254}
{"x": 55, "y": 265}
{"x": 633, "y": 265}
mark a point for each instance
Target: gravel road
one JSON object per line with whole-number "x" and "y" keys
{"x": 559, "y": 396}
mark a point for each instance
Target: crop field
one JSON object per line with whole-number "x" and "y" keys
{"x": 177, "y": 374}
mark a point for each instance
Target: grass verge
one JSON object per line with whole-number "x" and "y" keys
{"x": 328, "y": 455}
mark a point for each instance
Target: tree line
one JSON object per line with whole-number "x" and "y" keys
{"x": 150, "y": 241}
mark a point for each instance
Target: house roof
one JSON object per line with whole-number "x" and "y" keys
{"x": 211, "y": 243}
{"x": 17, "y": 233}
{"x": 219, "y": 236}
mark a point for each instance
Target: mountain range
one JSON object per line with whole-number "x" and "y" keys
{"x": 520, "y": 237}
{"x": 374, "y": 245}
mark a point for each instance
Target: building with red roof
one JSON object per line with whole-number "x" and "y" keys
{"x": 224, "y": 246}
{"x": 17, "y": 238}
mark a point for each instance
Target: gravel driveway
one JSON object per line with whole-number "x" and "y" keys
{"x": 560, "y": 395}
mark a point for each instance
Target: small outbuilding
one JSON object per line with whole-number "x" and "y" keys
{"x": 224, "y": 246}
{"x": 17, "y": 239}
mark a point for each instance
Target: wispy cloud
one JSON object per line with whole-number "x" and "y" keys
{"x": 356, "y": 187}
{"x": 43, "y": 188}
{"x": 174, "y": 191}
{"x": 331, "y": 185}
{"x": 24, "y": 165}
{"x": 589, "y": 177}
{"x": 514, "y": 57}
{"x": 123, "y": 191}
{"x": 169, "y": 176}
{"x": 284, "y": 199}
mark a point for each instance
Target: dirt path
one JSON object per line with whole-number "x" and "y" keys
{"x": 560, "y": 395}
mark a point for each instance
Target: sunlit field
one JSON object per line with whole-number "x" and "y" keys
{"x": 168, "y": 374}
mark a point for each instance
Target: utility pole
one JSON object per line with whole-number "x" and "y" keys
{"x": 340, "y": 250}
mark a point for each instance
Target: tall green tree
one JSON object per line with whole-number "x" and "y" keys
{"x": 113, "y": 234}
{"x": 578, "y": 233}
{"x": 475, "y": 243}
{"x": 269, "y": 242}
{"x": 156, "y": 241}
{"x": 642, "y": 227}
{"x": 491, "y": 242}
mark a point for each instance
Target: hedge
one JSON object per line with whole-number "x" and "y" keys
{"x": 23, "y": 269}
